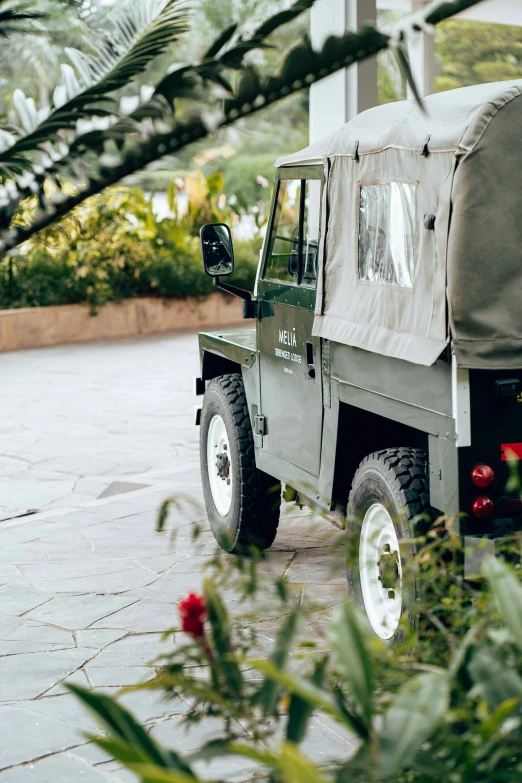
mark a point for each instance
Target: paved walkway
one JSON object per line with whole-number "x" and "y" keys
{"x": 92, "y": 439}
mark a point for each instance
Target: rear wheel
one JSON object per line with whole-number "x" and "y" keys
{"x": 242, "y": 502}
{"x": 390, "y": 491}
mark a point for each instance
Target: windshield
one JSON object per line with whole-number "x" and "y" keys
{"x": 294, "y": 241}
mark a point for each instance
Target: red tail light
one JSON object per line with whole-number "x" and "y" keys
{"x": 483, "y": 507}
{"x": 482, "y": 476}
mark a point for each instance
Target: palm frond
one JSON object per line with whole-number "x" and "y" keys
{"x": 115, "y": 160}
{"x": 15, "y": 15}
{"x": 142, "y": 29}
{"x": 182, "y": 82}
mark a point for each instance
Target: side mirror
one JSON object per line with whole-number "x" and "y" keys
{"x": 216, "y": 249}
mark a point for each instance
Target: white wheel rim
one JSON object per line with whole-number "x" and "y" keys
{"x": 380, "y": 571}
{"x": 219, "y": 466}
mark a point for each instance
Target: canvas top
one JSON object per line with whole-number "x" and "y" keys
{"x": 445, "y": 186}
{"x": 453, "y": 120}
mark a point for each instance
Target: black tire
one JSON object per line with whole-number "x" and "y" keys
{"x": 253, "y": 517}
{"x": 397, "y": 479}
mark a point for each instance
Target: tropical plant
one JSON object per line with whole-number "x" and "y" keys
{"x": 14, "y": 17}
{"x": 85, "y": 92}
{"x": 113, "y": 246}
{"x": 31, "y": 57}
{"x": 449, "y": 707}
{"x": 186, "y": 105}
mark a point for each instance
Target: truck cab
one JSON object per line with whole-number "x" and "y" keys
{"x": 379, "y": 371}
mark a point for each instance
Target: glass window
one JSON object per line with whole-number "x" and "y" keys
{"x": 387, "y": 233}
{"x": 311, "y": 221}
{"x": 283, "y": 252}
{"x": 284, "y": 247}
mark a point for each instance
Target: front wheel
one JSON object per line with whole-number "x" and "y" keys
{"x": 389, "y": 494}
{"x": 242, "y": 502}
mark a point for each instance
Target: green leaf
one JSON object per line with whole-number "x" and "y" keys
{"x": 220, "y": 748}
{"x": 122, "y": 751}
{"x": 289, "y": 494}
{"x": 438, "y": 12}
{"x": 12, "y": 17}
{"x": 410, "y": 720}
{"x": 311, "y": 694}
{"x": 149, "y": 773}
{"x": 192, "y": 687}
{"x": 462, "y": 652}
{"x": 498, "y": 717}
{"x": 122, "y": 725}
{"x": 249, "y": 85}
{"x": 293, "y": 63}
{"x": 354, "y": 659}
{"x": 497, "y": 681}
{"x": 220, "y": 627}
{"x": 182, "y": 82}
{"x": 507, "y": 593}
{"x": 403, "y": 62}
{"x": 140, "y": 32}
{"x": 220, "y": 42}
{"x": 283, "y": 17}
{"x": 300, "y": 711}
{"x": 286, "y": 634}
{"x": 296, "y": 768}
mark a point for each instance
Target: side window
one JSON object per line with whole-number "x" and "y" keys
{"x": 283, "y": 252}
{"x": 387, "y": 233}
{"x": 294, "y": 245}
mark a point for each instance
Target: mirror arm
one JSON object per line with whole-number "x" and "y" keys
{"x": 249, "y": 304}
{"x": 232, "y": 289}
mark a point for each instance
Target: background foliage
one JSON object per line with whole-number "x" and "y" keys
{"x": 466, "y": 53}
{"x": 243, "y": 152}
{"x": 94, "y": 136}
{"x": 114, "y": 247}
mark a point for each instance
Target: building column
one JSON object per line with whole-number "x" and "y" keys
{"x": 342, "y": 95}
{"x": 421, "y": 49}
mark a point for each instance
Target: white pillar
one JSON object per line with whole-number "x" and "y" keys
{"x": 422, "y": 58}
{"x": 341, "y": 96}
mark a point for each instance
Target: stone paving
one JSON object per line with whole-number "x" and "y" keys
{"x": 92, "y": 439}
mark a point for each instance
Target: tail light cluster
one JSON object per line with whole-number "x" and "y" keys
{"x": 482, "y": 477}
{"x": 483, "y": 507}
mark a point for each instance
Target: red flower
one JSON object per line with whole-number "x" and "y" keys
{"x": 193, "y": 612}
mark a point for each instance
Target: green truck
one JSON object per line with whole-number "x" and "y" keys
{"x": 379, "y": 374}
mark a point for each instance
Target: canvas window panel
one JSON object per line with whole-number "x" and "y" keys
{"x": 387, "y": 233}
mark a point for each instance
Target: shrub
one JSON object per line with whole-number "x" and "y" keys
{"x": 113, "y": 247}
{"x": 445, "y": 704}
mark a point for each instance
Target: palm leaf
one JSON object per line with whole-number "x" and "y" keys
{"x": 300, "y": 68}
{"x": 142, "y": 30}
{"x": 13, "y": 17}
{"x": 18, "y": 16}
{"x": 127, "y": 736}
{"x": 183, "y": 82}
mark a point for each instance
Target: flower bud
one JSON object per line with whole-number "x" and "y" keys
{"x": 193, "y": 612}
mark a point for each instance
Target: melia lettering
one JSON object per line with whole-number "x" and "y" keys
{"x": 287, "y": 338}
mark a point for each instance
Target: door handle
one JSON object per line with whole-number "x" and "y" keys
{"x": 310, "y": 360}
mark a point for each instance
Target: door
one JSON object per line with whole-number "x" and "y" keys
{"x": 291, "y": 389}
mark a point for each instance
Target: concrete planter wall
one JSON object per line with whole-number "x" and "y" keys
{"x": 35, "y": 327}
